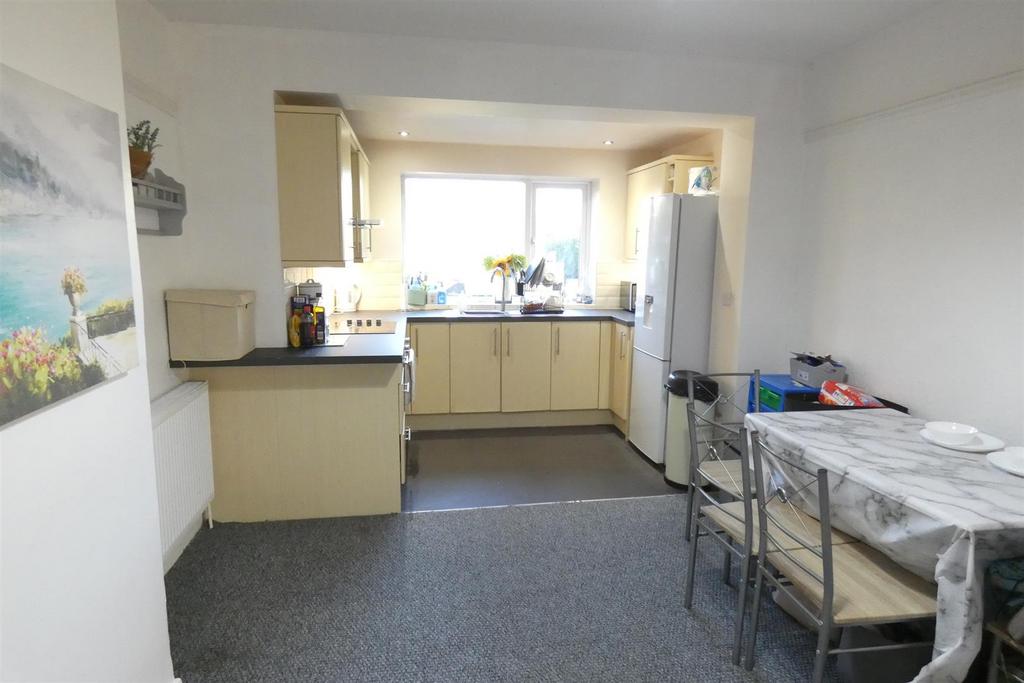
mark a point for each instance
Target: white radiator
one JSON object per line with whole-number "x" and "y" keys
{"x": 184, "y": 464}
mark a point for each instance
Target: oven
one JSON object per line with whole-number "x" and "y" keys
{"x": 408, "y": 387}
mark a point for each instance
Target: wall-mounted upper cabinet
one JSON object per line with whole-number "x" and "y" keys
{"x": 362, "y": 226}
{"x": 316, "y": 203}
{"x": 669, "y": 174}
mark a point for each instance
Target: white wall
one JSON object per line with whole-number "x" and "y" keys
{"x": 226, "y": 124}
{"x": 152, "y": 74}
{"x": 81, "y": 580}
{"x": 915, "y": 216}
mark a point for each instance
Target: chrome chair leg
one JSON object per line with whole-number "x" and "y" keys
{"x": 727, "y": 566}
{"x": 755, "y": 612}
{"x": 695, "y": 536}
{"x": 690, "y": 502}
{"x": 821, "y": 654}
{"x": 741, "y": 610}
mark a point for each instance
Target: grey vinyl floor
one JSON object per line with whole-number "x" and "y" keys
{"x": 479, "y": 468}
{"x": 586, "y": 591}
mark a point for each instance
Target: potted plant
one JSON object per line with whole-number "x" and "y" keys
{"x": 73, "y": 284}
{"x": 141, "y": 143}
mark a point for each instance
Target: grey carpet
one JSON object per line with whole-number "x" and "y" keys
{"x": 563, "y": 592}
{"x": 478, "y": 468}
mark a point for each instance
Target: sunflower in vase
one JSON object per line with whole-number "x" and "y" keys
{"x": 510, "y": 265}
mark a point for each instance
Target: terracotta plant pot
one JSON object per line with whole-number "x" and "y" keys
{"x": 139, "y": 160}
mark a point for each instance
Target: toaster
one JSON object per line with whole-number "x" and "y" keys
{"x": 627, "y": 296}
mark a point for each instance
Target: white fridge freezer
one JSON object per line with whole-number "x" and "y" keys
{"x": 673, "y": 309}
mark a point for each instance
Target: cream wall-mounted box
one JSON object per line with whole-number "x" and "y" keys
{"x": 210, "y": 324}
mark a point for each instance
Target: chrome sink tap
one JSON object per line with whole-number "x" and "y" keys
{"x": 504, "y": 286}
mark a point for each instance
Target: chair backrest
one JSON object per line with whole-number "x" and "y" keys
{"x": 718, "y": 437}
{"x": 782, "y": 476}
{"x": 716, "y": 428}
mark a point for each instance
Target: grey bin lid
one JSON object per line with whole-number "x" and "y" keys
{"x": 678, "y": 384}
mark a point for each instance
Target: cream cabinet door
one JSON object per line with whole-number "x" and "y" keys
{"x": 622, "y": 364}
{"x": 640, "y": 187}
{"x": 314, "y": 187}
{"x": 431, "y": 392}
{"x": 476, "y": 367}
{"x": 604, "y": 387}
{"x": 575, "y": 365}
{"x": 362, "y": 237}
{"x": 525, "y": 367}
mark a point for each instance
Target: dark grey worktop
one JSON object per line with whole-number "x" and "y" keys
{"x": 579, "y": 314}
{"x": 388, "y": 348}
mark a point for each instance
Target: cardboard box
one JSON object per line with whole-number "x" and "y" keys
{"x": 210, "y": 324}
{"x": 813, "y": 370}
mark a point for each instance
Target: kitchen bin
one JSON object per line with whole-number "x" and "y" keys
{"x": 677, "y": 437}
{"x": 210, "y": 324}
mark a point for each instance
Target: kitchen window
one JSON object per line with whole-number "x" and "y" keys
{"x": 452, "y": 222}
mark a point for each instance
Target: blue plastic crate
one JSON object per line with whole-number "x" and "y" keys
{"x": 774, "y": 391}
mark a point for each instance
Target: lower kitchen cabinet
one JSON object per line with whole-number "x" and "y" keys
{"x": 622, "y": 365}
{"x": 476, "y": 368}
{"x": 431, "y": 342}
{"x": 525, "y": 367}
{"x": 305, "y": 441}
{"x": 575, "y": 365}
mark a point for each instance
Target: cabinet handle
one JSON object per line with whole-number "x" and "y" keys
{"x": 495, "y": 340}
{"x": 407, "y": 433}
{"x": 558, "y": 341}
{"x": 622, "y": 345}
{"x": 636, "y": 242}
{"x": 416, "y": 341}
{"x": 508, "y": 343}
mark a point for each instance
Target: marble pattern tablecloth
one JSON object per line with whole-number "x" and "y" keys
{"x": 940, "y": 513}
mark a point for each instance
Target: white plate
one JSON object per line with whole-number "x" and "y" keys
{"x": 1010, "y": 460}
{"x": 981, "y": 443}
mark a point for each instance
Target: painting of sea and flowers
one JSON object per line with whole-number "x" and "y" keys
{"x": 67, "y": 318}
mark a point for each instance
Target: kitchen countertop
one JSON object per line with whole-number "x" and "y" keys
{"x": 578, "y": 314}
{"x": 388, "y": 348}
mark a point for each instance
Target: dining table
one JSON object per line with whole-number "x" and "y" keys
{"x": 941, "y": 513}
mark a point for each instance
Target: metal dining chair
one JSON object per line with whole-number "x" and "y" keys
{"x": 833, "y": 579}
{"x": 720, "y": 488}
{"x": 722, "y": 471}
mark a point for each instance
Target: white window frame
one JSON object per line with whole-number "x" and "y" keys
{"x": 532, "y": 183}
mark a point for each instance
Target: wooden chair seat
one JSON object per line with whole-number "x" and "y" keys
{"x": 727, "y": 475}
{"x": 729, "y": 516}
{"x": 869, "y": 588}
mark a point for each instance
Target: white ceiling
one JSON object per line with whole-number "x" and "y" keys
{"x": 496, "y": 123}
{"x": 776, "y": 30}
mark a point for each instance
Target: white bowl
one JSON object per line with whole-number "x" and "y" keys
{"x": 951, "y": 432}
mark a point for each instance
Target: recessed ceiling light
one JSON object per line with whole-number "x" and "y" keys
{"x": 403, "y": 133}
{"x": 609, "y": 142}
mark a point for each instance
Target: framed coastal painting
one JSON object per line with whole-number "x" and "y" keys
{"x": 67, "y": 317}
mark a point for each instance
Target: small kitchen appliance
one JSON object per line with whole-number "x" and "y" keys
{"x": 627, "y": 296}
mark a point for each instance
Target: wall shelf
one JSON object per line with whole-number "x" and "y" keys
{"x": 165, "y": 195}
